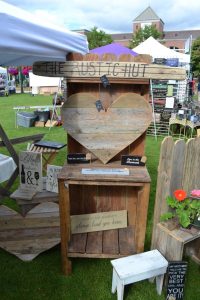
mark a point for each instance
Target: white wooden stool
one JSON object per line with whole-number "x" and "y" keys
{"x": 138, "y": 267}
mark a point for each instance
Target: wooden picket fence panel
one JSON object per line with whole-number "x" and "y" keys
{"x": 178, "y": 169}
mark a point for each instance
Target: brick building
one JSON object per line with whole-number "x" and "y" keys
{"x": 171, "y": 39}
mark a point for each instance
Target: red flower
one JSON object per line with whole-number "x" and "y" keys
{"x": 180, "y": 195}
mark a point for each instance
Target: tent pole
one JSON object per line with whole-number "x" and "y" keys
{"x": 152, "y": 101}
{"x": 54, "y": 103}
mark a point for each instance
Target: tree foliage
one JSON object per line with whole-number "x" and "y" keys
{"x": 195, "y": 57}
{"x": 143, "y": 34}
{"x": 97, "y": 38}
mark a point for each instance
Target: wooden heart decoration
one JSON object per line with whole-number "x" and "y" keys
{"x": 106, "y": 132}
{"x": 28, "y": 236}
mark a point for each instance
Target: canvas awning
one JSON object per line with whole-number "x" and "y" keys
{"x": 25, "y": 39}
{"x": 157, "y": 50}
{"x": 113, "y": 48}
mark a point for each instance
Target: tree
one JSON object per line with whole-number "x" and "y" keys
{"x": 195, "y": 57}
{"x": 97, "y": 38}
{"x": 143, "y": 34}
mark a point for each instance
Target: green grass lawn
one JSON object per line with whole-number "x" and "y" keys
{"x": 91, "y": 278}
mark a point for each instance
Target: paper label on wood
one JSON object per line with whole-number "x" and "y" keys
{"x": 98, "y": 221}
{"x": 110, "y": 69}
{"x": 99, "y": 171}
{"x": 30, "y": 170}
{"x": 52, "y": 178}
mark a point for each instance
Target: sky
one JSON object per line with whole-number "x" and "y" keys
{"x": 112, "y": 16}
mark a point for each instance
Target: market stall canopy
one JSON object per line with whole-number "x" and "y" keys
{"x": 157, "y": 50}
{"x": 113, "y": 48}
{"x": 25, "y": 39}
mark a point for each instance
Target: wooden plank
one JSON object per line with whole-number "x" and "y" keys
{"x": 142, "y": 207}
{"x": 94, "y": 242}
{"x": 23, "y": 139}
{"x": 127, "y": 245}
{"x": 96, "y": 69}
{"x": 163, "y": 182}
{"x": 9, "y": 146}
{"x": 137, "y": 176}
{"x": 26, "y": 237}
{"x": 107, "y": 201}
{"x": 99, "y": 131}
{"x": 191, "y": 167}
{"x": 99, "y": 221}
{"x": 110, "y": 242}
{"x": 177, "y": 166}
{"x": 64, "y": 208}
{"x": 77, "y": 243}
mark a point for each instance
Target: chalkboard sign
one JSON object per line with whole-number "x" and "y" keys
{"x": 105, "y": 81}
{"x": 131, "y": 160}
{"x": 176, "y": 280}
{"x": 77, "y": 158}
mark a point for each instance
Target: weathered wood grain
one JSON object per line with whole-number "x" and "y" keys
{"x": 26, "y": 237}
{"x": 105, "y": 133}
{"x": 110, "y": 68}
{"x": 191, "y": 172}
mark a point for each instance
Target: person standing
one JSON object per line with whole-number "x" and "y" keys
{"x": 198, "y": 87}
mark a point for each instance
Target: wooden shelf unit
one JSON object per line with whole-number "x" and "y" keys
{"x": 82, "y": 194}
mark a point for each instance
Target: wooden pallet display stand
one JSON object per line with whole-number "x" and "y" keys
{"x": 81, "y": 194}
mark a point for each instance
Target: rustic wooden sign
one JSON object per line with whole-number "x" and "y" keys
{"x": 30, "y": 170}
{"x": 26, "y": 237}
{"x": 98, "y": 221}
{"x": 106, "y": 132}
{"x": 52, "y": 178}
{"x": 110, "y": 69}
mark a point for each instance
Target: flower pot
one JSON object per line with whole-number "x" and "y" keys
{"x": 196, "y": 222}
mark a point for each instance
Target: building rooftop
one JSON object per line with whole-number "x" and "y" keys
{"x": 147, "y": 15}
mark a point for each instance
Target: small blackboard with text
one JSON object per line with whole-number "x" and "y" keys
{"x": 176, "y": 280}
{"x": 131, "y": 160}
{"x": 77, "y": 158}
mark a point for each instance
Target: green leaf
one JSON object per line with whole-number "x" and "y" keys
{"x": 184, "y": 219}
{"x": 166, "y": 216}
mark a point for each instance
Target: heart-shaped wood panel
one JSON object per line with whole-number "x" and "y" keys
{"x": 106, "y": 132}
{"x": 28, "y": 236}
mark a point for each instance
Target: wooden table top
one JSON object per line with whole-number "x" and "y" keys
{"x": 73, "y": 172}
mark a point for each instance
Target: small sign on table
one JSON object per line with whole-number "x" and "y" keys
{"x": 176, "y": 280}
{"x": 52, "y": 178}
{"x": 30, "y": 170}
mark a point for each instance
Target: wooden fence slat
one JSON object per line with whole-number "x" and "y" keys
{"x": 177, "y": 165}
{"x": 163, "y": 182}
{"x": 191, "y": 167}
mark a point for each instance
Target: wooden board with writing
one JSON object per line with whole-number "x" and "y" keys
{"x": 112, "y": 69}
{"x": 98, "y": 221}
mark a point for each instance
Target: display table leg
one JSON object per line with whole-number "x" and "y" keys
{"x": 64, "y": 206}
{"x": 143, "y": 200}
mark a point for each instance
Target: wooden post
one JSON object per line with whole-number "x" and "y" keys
{"x": 143, "y": 201}
{"x": 64, "y": 206}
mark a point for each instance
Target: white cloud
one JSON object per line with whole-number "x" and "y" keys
{"x": 113, "y": 15}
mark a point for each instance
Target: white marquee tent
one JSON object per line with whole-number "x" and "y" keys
{"x": 157, "y": 50}
{"x": 25, "y": 39}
